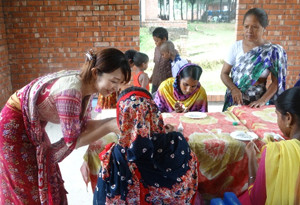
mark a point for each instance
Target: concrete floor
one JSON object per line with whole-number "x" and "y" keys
{"x": 79, "y": 194}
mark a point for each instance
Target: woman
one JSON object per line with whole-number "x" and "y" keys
{"x": 183, "y": 93}
{"x": 147, "y": 165}
{"x": 29, "y": 162}
{"x": 250, "y": 61}
{"x": 110, "y": 101}
{"x": 277, "y": 179}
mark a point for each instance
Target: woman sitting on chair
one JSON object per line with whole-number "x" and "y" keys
{"x": 147, "y": 165}
{"x": 277, "y": 179}
{"x": 183, "y": 93}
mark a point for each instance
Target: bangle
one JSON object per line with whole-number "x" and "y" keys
{"x": 233, "y": 88}
{"x": 251, "y": 177}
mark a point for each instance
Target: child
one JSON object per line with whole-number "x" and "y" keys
{"x": 141, "y": 79}
{"x": 162, "y": 67}
{"x": 130, "y": 55}
{"x": 169, "y": 52}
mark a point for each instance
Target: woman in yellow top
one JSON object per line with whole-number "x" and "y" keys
{"x": 277, "y": 178}
{"x": 183, "y": 93}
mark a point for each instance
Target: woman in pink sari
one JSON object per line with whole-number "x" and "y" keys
{"x": 29, "y": 172}
{"x": 277, "y": 178}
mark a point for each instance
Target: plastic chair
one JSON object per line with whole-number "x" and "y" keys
{"x": 216, "y": 201}
{"x": 229, "y": 199}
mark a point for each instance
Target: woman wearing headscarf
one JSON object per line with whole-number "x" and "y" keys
{"x": 183, "y": 93}
{"x": 147, "y": 165}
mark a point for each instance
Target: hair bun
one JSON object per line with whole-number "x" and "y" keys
{"x": 90, "y": 55}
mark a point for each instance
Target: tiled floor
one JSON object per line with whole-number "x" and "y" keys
{"x": 70, "y": 167}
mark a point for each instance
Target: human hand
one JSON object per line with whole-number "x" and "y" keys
{"x": 257, "y": 104}
{"x": 113, "y": 126}
{"x": 237, "y": 96}
{"x": 251, "y": 150}
{"x": 169, "y": 128}
{"x": 85, "y": 172}
{"x": 179, "y": 107}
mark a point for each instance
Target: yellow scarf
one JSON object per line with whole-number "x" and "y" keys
{"x": 166, "y": 89}
{"x": 282, "y": 167}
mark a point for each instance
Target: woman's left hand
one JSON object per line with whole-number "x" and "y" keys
{"x": 85, "y": 172}
{"x": 178, "y": 107}
{"x": 169, "y": 128}
{"x": 113, "y": 126}
{"x": 250, "y": 150}
{"x": 257, "y": 104}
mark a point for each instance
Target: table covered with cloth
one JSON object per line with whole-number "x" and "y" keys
{"x": 223, "y": 162}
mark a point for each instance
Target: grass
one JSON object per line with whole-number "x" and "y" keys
{"x": 206, "y": 45}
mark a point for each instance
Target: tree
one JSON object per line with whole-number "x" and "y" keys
{"x": 171, "y": 10}
{"x": 186, "y": 9}
{"x": 181, "y": 13}
{"x": 192, "y": 12}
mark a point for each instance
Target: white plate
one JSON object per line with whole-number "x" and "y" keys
{"x": 243, "y": 136}
{"x": 195, "y": 115}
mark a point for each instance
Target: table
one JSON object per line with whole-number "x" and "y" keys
{"x": 223, "y": 164}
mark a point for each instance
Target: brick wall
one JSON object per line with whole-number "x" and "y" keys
{"x": 283, "y": 29}
{"x": 5, "y": 82}
{"x": 47, "y": 36}
{"x": 39, "y": 37}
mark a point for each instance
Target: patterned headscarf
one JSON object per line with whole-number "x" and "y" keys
{"x": 137, "y": 115}
{"x": 169, "y": 93}
{"x": 177, "y": 91}
{"x": 146, "y": 161}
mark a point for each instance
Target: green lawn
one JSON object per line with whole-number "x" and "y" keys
{"x": 206, "y": 45}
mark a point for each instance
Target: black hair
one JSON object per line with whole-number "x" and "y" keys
{"x": 288, "y": 101}
{"x": 160, "y": 32}
{"x": 260, "y": 14}
{"x": 191, "y": 71}
{"x": 140, "y": 58}
{"x": 130, "y": 54}
{"x": 133, "y": 88}
{"x": 105, "y": 61}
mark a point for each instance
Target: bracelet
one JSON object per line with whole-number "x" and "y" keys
{"x": 252, "y": 177}
{"x": 233, "y": 89}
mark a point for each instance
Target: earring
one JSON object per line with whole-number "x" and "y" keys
{"x": 288, "y": 126}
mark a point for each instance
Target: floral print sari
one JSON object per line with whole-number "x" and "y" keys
{"x": 29, "y": 161}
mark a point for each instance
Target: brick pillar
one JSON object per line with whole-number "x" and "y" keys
{"x": 5, "y": 81}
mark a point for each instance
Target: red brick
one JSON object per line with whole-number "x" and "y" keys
{"x": 92, "y": 29}
{"x": 34, "y": 3}
{"x": 76, "y": 29}
{"x": 85, "y": 24}
{"x": 75, "y": 8}
{"x": 69, "y": 13}
{"x": 115, "y": 2}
